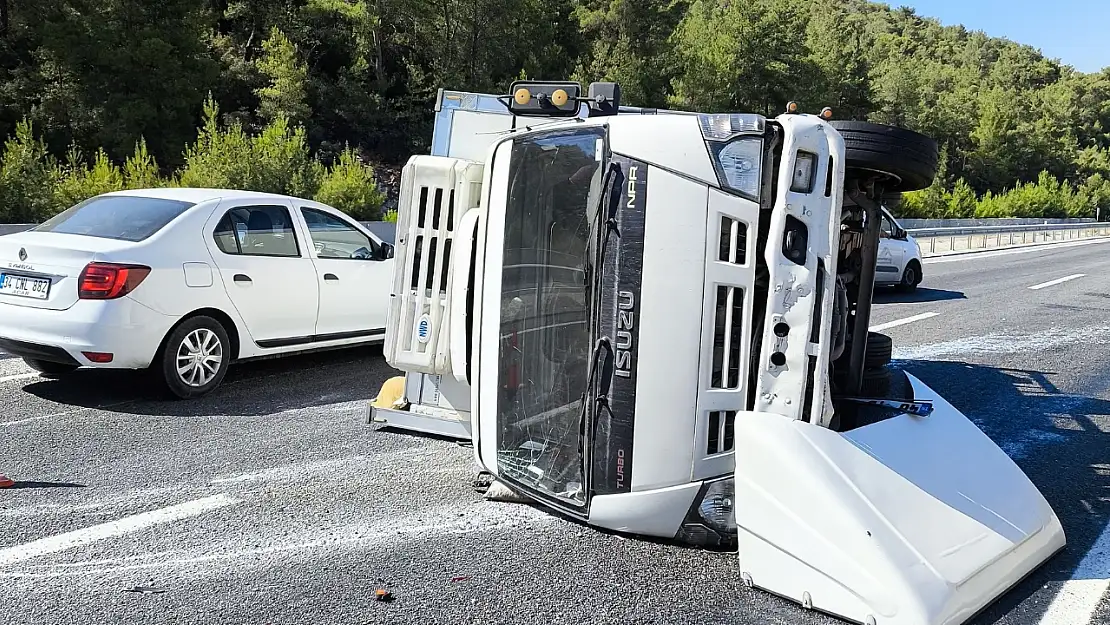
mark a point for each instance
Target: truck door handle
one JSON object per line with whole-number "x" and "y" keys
{"x": 239, "y": 277}
{"x": 330, "y": 276}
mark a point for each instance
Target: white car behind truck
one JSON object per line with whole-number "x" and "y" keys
{"x": 655, "y": 322}
{"x": 899, "y": 260}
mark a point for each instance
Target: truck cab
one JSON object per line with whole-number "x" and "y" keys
{"x": 656, "y": 322}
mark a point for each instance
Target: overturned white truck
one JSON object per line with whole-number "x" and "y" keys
{"x": 656, "y": 322}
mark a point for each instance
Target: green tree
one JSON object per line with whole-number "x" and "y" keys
{"x": 351, "y": 187}
{"x": 28, "y": 174}
{"x": 962, "y": 203}
{"x": 741, "y": 56}
{"x": 286, "y": 94}
{"x": 80, "y": 181}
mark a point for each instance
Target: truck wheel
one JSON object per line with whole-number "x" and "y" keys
{"x": 876, "y": 383}
{"x": 879, "y": 350}
{"x": 909, "y": 157}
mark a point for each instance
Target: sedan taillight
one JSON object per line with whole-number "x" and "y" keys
{"x": 109, "y": 280}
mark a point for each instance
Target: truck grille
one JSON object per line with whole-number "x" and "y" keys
{"x": 720, "y": 432}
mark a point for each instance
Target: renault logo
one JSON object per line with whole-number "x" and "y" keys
{"x": 22, "y": 253}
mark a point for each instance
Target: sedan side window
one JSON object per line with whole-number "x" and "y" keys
{"x": 257, "y": 231}
{"x": 335, "y": 238}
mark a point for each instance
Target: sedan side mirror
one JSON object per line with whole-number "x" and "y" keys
{"x": 385, "y": 251}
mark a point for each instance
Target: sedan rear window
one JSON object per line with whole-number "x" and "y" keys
{"x": 123, "y": 217}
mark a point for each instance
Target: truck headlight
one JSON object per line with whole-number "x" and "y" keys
{"x": 717, "y": 507}
{"x": 735, "y": 145}
{"x": 711, "y": 521}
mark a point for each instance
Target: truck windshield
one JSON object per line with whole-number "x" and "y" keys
{"x": 555, "y": 181}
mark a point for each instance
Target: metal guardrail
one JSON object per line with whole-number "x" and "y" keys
{"x": 928, "y": 232}
{"x": 13, "y": 228}
{"x": 939, "y": 241}
{"x": 916, "y": 224}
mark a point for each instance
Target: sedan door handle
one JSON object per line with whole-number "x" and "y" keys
{"x": 330, "y": 276}
{"x": 239, "y": 277}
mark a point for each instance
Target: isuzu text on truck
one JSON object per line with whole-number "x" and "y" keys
{"x": 656, "y": 322}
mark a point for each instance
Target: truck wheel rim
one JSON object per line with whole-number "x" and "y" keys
{"x": 199, "y": 357}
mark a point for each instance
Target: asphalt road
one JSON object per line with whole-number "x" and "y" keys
{"x": 273, "y": 502}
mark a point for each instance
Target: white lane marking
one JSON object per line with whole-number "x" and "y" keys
{"x": 427, "y": 523}
{"x": 18, "y": 376}
{"x": 1037, "y": 287}
{"x": 64, "y": 413}
{"x": 1080, "y": 596}
{"x": 1047, "y": 247}
{"x": 902, "y": 322}
{"x": 126, "y": 525}
{"x": 289, "y": 472}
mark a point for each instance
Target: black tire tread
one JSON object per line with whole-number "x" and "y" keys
{"x": 880, "y": 349}
{"x": 908, "y": 155}
{"x": 167, "y": 357}
{"x": 907, "y": 287}
{"x": 876, "y": 383}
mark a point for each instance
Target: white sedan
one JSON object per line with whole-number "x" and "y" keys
{"x": 184, "y": 281}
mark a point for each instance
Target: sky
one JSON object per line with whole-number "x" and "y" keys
{"x": 1073, "y": 31}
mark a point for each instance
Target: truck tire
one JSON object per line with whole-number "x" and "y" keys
{"x": 909, "y": 157}
{"x": 879, "y": 350}
{"x": 876, "y": 383}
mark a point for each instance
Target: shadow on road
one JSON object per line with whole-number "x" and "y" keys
{"x": 892, "y": 296}
{"x": 1054, "y": 437}
{"x": 257, "y": 388}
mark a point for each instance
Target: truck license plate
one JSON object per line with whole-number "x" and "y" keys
{"x": 24, "y": 286}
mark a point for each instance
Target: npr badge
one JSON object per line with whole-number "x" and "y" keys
{"x": 424, "y": 328}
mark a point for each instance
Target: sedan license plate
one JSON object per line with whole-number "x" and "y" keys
{"x": 24, "y": 286}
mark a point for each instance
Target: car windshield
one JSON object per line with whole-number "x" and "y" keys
{"x": 555, "y": 179}
{"x": 123, "y": 217}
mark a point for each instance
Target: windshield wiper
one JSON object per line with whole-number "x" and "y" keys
{"x": 606, "y": 216}
{"x": 603, "y": 207}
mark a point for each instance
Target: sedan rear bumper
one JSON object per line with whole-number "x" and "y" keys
{"x": 124, "y": 328}
{"x": 49, "y": 353}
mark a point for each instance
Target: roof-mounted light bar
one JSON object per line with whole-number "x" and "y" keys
{"x": 792, "y": 109}
{"x": 533, "y": 98}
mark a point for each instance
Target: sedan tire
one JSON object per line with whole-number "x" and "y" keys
{"x": 195, "y": 357}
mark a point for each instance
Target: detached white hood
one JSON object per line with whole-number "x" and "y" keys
{"x": 909, "y": 521}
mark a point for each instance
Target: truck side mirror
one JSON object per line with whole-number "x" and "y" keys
{"x": 385, "y": 251}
